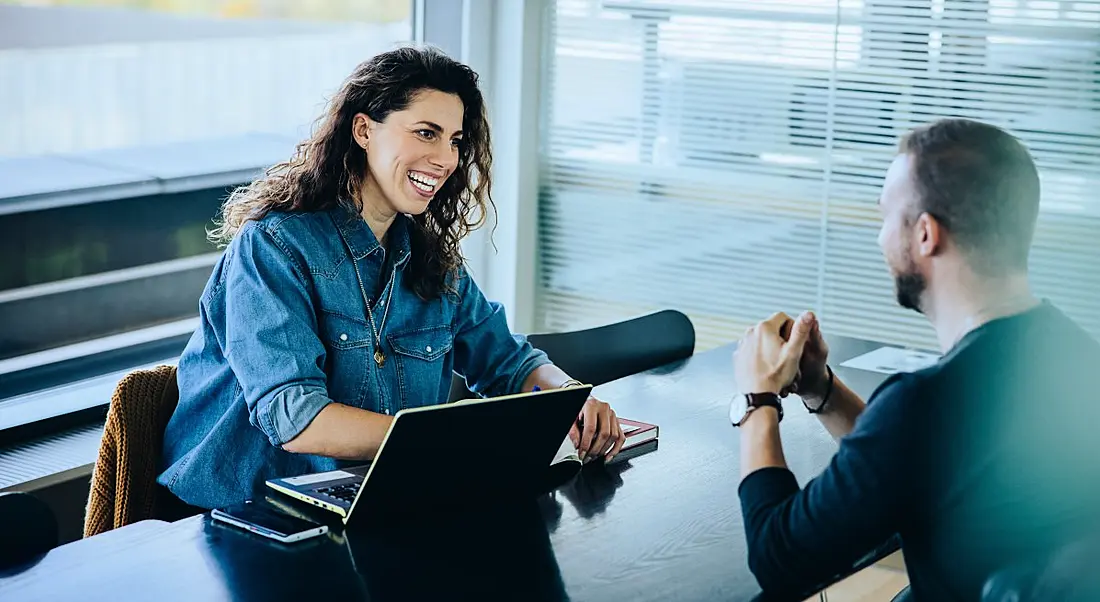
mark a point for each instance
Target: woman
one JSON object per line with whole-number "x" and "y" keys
{"x": 342, "y": 297}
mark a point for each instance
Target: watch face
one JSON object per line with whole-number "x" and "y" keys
{"x": 739, "y": 406}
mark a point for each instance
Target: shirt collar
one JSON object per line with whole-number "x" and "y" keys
{"x": 362, "y": 242}
{"x": 965, "y": 340}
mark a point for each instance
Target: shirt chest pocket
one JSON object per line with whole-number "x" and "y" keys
{"x": 422, "y": 362}
{"x": 348, "y": 348}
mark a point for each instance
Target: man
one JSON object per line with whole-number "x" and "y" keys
{"x": 986, "y": 459}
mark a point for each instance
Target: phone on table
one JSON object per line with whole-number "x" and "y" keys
{"x": 268, "y": 522}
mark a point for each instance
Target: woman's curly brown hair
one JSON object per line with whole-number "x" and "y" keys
{"x": 328, "y": 169}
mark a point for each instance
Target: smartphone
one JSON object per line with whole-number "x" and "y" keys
{"x": 268, "y": 522}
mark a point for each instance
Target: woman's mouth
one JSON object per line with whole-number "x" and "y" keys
{"x": 423, "y": 183}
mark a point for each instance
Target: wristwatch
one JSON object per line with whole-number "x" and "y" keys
{"x": 744, "y": 403}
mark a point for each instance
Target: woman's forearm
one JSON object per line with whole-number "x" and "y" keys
{"x": 546, "y": 376}
{"x": 344, "y": 432}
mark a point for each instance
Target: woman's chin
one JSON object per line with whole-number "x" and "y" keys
{"x": 413, "y": 207}
{"x": 410, "y": 204}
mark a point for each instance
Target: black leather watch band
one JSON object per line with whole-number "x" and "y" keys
{"x": 759, "y": 400}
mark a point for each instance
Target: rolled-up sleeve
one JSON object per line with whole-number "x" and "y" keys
{"x": 271, "y": 340}
{"x": 493, "y": 360}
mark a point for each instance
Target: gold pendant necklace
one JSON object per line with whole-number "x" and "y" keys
{"x": 379, "y": 356}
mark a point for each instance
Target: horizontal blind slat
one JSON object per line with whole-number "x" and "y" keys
{"x": 746, "y": 149}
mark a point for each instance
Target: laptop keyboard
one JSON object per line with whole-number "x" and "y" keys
{"x": 345, "y": 493}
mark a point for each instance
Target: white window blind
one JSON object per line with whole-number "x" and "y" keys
{"x": 725, "y": 157}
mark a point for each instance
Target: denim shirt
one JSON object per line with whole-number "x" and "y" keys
{"x": 284, "y": 331}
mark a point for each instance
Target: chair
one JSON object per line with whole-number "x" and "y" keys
{"x": 124, "y": 488}
{"x": 903, "y": 596}
{"x": 29, "y": 529}
{"x": 606, "y": 353}
{"x": 1068, "y": 575}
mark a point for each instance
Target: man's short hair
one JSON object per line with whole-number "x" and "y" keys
{"x": 981, "y": 184}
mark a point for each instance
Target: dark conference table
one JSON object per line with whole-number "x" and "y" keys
{"x": 662, "y": 526}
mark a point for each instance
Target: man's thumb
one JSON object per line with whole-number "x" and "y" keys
{"x": 800, "y": 333}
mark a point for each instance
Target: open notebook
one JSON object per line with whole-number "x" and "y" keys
{"x": 641, "y": 438}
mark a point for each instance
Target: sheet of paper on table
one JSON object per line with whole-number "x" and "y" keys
{"x": 889, "y": 360}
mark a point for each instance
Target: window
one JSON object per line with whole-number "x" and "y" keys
{"x": 725, "y": 158}
{"x": 123, "y": 126}
{"x": 121, "y": 73}
{"x": 86, "y": 271}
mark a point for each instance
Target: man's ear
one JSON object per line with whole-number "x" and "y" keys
{"x": 360, "y": 129}
{"x": 929, "y": 235}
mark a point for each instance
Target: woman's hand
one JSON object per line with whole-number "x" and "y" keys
{"x": 597, "y": 431}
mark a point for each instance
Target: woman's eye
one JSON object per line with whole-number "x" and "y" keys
{"x": 426, "y": 134}
{"x": 456, "y": 142}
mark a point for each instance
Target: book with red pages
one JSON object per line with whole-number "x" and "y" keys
{"x": 637, "y": 433}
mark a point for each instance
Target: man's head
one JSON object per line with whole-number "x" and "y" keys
{"x": 959, "y": 192}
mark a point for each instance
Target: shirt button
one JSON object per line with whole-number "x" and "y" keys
{"x": 428, "y": 349}
{"x": 343, "y": 337}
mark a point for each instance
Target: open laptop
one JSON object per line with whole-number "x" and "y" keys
{"x": 446, "y": 453}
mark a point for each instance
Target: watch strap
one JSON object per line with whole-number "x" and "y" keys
{"x": 759, "y": 400}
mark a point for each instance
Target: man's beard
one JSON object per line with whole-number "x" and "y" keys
{"x": 909, "y": 286}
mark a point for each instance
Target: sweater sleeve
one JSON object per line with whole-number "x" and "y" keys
{"x": 800, "y": 539}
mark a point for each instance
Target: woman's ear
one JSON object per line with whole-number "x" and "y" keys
{"x": 360, "y": 129}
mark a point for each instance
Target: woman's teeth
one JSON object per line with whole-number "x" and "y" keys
{"x": 423, "y": 182}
